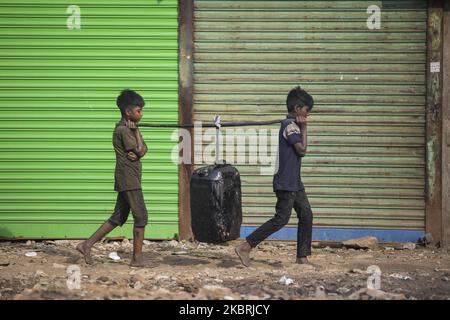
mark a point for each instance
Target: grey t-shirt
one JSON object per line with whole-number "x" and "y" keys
{"x": 287, "y": 178}
{"x": 128, "y": 174}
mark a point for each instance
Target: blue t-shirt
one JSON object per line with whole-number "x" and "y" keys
{"x": 287, "y": 178}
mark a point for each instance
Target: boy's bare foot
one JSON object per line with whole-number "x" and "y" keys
{"x": 139, "y": 262}
{"x": 304, "y": 261}
{"x": 85, "y": 251}
{"x": 243, "y": 252}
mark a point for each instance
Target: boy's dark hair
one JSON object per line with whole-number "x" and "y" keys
{"x": 129, "y": 99}
{"x": 299, "y": 97}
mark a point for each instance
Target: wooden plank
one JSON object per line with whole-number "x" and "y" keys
{"x": 434, "y": 123}
{"x": 446, "y": 129}
{"x": 185, "y": 60}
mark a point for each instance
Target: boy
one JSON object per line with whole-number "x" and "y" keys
{"x": 129, "y": 147}
{"x": 287, "y": 182}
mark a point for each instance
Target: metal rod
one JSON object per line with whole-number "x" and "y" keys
{"x": 209, "y": 125}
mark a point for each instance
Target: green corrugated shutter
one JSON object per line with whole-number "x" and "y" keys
{"x": 57, "y": 113}
{"x": 366, "y": 162}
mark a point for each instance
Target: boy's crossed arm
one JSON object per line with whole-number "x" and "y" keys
{"x": 141, "y": 148}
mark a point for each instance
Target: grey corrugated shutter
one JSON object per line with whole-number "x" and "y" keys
{"x": 366, "y": 162}
{"x": 57, "y": 113}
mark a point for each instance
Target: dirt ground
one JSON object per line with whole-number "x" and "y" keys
{"x": 185, "y": 270}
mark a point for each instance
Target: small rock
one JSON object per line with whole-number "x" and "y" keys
{"x": 39, "y": 286}
{"x": 147, "y": 243}
{"x": 332, "y": 294}
{"x": 320, "y": 292}
{"x": 361, "y": 243}
{"x": 359, "y": 271}
{"x": 426, "y": 240}
{"x": 62, "y": 242}
{"x": 389, "y": 249}
{"x": 445, "y": 279}
{"x": 400, "y": 276}
{"x": 59, "y": 266}
{"x": 114, "y": 256}
{"x": 178, "y": 253}
{"x": 31, "y": 254}
{"x": 343, "y": 290}
{"x": 170, "y": 244}
{"x": 215, "y": 292}
{"x": 286, "y": 280}
{"x": 103, "y": 279}
{"x": 126, "y": 243}
{"x": 362, "y": 256}
{"x": 162, "y": 277}
{"x": 374, "y": 294}
{"x": 4, "y": 263}
{"x": 409, "y": 246}
{"x": 202, "y": 245}
{"x": 30, "y": 243}
{"x": 139, "y": 277}
{"x": 138, "y": 285}
{"x": 39, "y": 273}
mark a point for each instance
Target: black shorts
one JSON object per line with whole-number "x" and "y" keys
{"x": 126, "y": 200}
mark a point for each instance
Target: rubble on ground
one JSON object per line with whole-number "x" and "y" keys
{"x": 361, "y": 243}
{"x": 192, "y": 270}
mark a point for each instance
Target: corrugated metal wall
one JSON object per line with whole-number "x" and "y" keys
{"x": 366, "y": 161}
{"x": 57, "y": 113}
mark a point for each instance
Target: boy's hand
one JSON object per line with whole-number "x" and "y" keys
{"x": 132, "y": 156}
{"x": 301, "y": 120}
{"x": 131, "y": 125}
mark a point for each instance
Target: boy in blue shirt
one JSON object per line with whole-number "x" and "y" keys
{"x": 287, "y": 184}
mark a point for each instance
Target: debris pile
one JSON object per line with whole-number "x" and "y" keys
{"x": 190, "y": 270}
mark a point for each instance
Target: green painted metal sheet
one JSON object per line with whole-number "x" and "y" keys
{"x": 57, "y": 113}
{"x": 366, "y": 162}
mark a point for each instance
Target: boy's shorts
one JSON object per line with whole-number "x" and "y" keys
{"x": 126, "y": 200}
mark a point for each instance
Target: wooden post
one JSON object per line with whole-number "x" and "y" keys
{"x": 446, "y": 128}
{"x": 185, "y": 108}
{"x": 434, "y": 121}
